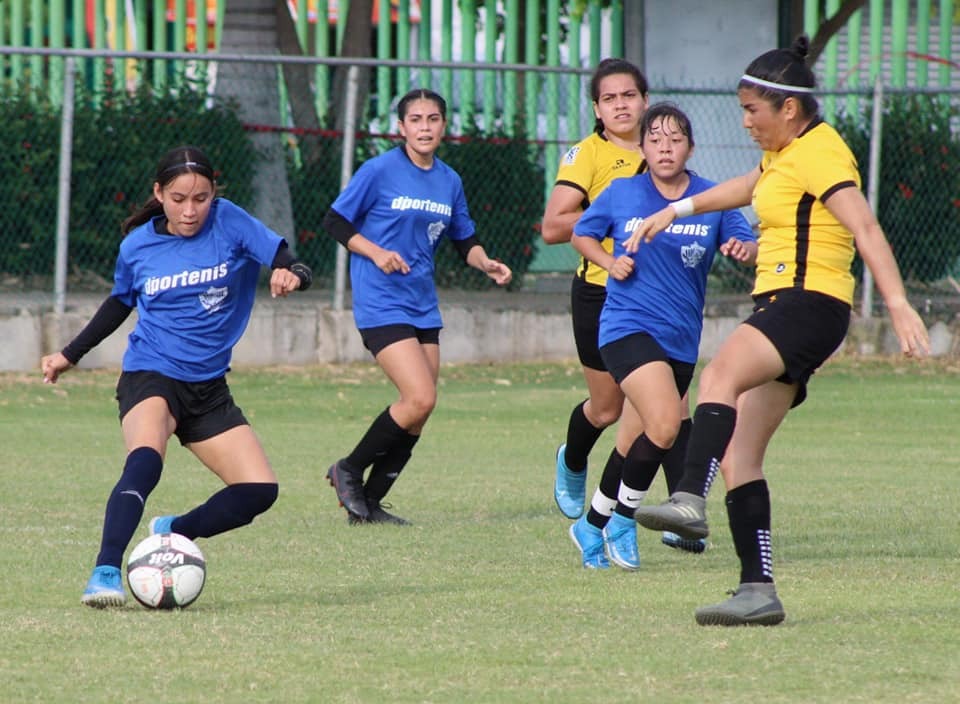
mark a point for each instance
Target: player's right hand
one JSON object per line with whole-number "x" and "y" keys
{"x": 649, "y": 227}
{"x": 52, "y": 365}
{"x": 389, "y": 262}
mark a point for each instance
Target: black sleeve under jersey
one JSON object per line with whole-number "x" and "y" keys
{"x": 339, "y": 227}
{"x": 105, "y": 321}
{"x": 463, "y": 247}
{"x": 284, "y": 259}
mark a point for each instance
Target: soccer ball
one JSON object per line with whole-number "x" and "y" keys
{"x": 166, "y": 571}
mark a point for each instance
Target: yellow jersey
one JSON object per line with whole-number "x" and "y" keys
{"x": 590, "y": 166}
{"x": 801, "y": 244}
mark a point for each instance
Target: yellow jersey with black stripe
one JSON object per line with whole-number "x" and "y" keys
{"x": 802, "y": 245}
{"x": 590, "y": 166}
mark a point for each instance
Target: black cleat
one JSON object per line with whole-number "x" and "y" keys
{"x": 349, "y": 487}
{"x": 377, "y": 515}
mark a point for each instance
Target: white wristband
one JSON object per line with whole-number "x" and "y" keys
{"x": 683, "y": 207}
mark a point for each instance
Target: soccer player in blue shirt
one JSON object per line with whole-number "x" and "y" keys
{"x": 189, "y": 264}
{"x": 391, "y": 217}
{"x": 651, "y": 320}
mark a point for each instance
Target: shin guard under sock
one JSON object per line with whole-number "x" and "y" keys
{"x": 233, "y": 506}
{"x": 713, "y": 425}
{"x": 141, "y": 472}
{"x": 582, "y": 435}
{"x": 748, "y": 510}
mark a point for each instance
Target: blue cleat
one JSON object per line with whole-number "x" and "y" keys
{"x": 569, "y": 488}
{"x": 104, "y": 589}
{"x": 673, "y": 540}
{"x": 590, "y": 541}
{"x": 161, "y": 525}
{"x": 620, "y": 540}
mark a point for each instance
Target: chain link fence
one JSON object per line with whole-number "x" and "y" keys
{"x": 284, "y": 164}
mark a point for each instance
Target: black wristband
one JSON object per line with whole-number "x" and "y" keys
{"x": 303, "y": 273}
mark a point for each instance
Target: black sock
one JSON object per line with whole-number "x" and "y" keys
{"x": 380, "y": 437}
{"x": 676, "y": 455}
{"x": 582, "y": 435}
{"x": 748, "y": 510}
{"x": 609, "y": 486}
{"x": 387, "y": 468}
{"x": 231, "y": 507}
{"x": 713, "y": 425}
{"x": 639, "y": 469}
{"x": 141, "y": 472}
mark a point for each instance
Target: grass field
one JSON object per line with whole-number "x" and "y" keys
{"x": 484, "y": 599}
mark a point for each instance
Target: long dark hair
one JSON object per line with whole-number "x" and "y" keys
{"x": 611, "y": 67}
{"x": 185, "y": 159}
{"x": 786, "y": 68}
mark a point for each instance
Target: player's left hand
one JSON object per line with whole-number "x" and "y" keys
{"x": 498, "y": 271}
{"x": 283, "y": 282}
{"x": 735, "y": 249}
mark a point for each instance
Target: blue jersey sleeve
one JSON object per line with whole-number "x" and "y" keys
{"x": 256, "y": 239}
{"x": 596, "y": 221}
{"x": 358, "y": 198}
{"x": 733, "y": 225}
{"x": 461, "y": 225}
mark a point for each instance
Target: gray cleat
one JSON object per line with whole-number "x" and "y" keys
{"x": 683, "y": 513}
{"x": 752, "y": 604}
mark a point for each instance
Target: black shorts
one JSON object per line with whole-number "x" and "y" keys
{"x": 376, "y": 339}
{"x": 626, "y": 355}
{"x": 805, "y": 327}
{"x": 586, "y": 302}
{"x": 202, "y": 409}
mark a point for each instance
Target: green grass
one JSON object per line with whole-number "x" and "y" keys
{"x": 484, "y": 599}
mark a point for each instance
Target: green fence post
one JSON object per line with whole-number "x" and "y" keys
{"x": 573, "y": 81}
{"x": 490, "y": 57}
{"x": 853, "y": 61}
{"x": 531, "y": 84}
{"x": 468, "y": 11}
{"x": 383, "y": 73}
{"x": 943, "y": 46}
{"x": 830, "y": 59}
{"x": 16, "y": 38}
{"x": 899, "y": 24}
{"x": 596, "y": 23}
{"x": 511, "y": 48}
{"x": 446, "y": 48}
{"x": 923, "y": 43}
{"x": 551, "y": 98}
{"x": 616, "y": 28}
{"x": 57, "y": 41}
{"x": 36, "y": 42}
{"x": 876, "y": 39}
{"x": 424, "y": 50}
{"x": 403, "y": 45}
{"x": 159, "y": 44}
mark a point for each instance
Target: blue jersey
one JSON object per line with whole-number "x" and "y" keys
{"x": 405, "y": 209}
{"x": 193, "y": 294}
{"x": 664, "y": 296}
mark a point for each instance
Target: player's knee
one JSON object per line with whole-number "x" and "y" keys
{"x": 253, "y": 499}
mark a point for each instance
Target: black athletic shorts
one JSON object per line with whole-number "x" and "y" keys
{"x": 626, "y": 355}
{"x": 375, "y": 339}
{"x": 202, "y": 409}
{"x": 586, "y": 302}
{"x": 806, "y": 327}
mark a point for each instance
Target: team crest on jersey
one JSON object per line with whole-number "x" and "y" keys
{"x": 212, "y": 299}
{"x": 434, "y": 230}
{"x": 692, "y": 254}
{"x": 571, "y": 155}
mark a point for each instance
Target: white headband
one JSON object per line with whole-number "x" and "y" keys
{"x": 776, "y": 86}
